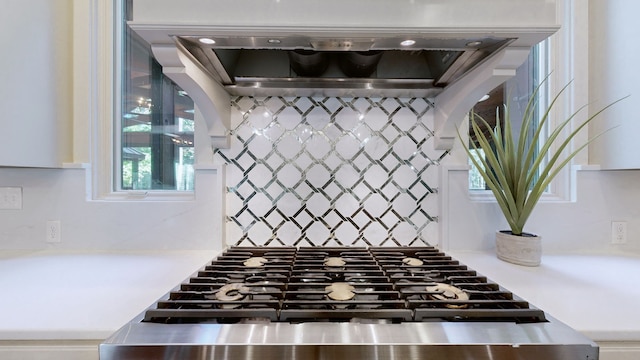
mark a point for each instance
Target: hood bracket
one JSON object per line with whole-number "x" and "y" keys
{"x": 211, "y": 98}
{"x": 453, "y": 104}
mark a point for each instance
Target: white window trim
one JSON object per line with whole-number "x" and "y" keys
{"x": 568, "y": 63}
{"x": 568, "y": 59}
{"x": 103, "y": 97}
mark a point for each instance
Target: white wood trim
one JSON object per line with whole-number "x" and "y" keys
{"x": 443, "y": 194}
{"x": 101, "y": 97}
{"x": 50, "y": 350}
{"x": 104, "y": 86}
{"x": 619, "y": 350}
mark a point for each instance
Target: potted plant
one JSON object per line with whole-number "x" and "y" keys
{"x": 518, "y": 171}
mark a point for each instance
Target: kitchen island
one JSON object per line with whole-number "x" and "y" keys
{"x": 62, "y": 305}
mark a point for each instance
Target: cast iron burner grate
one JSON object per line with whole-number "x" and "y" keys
{"x": 377, "y": 284}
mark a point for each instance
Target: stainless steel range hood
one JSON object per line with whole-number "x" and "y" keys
{"x": 452, "y": 51}
{"x": 310, "y": 66}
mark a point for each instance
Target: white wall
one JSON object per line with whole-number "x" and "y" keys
{"x": 61, "y": 194}
{"x": 583, "y": 226}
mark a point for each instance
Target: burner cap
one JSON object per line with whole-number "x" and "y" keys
{"x": 334, "y": 261}
{"x": 448, "y": 292}
{"x": 232, "y": 292}
{"x": 412, "y": 261}
{"x": 340, "y": 291}
{"x": 255, "y": 262}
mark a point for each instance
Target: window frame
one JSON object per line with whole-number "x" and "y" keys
{"x": 103, "y": 94}
{"x": 534, "y": 71}
{"x": 106, "y": 92}
{"x": 561, "y": 48}
{"x": 165, "y": 94}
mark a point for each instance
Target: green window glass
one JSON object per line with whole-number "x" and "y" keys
{"x": 156, "y": 125}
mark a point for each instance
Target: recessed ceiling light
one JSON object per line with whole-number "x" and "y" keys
{"x": 473, "y": 43}
{"x": 484, "y": 97}
{"x": 274, "y": 41}
{"x": 408, "y": 42}
{"x": 207, "y": 41}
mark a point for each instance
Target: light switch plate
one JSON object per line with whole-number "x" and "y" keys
{"x": 10, "y": 198}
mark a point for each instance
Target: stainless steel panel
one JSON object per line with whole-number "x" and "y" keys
{"x": 551, "y": 340}
{"x": 337, "y": 352}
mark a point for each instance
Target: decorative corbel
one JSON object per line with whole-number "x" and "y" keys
{"x": 452, "y": 105}
{"x": 212, "y": 100}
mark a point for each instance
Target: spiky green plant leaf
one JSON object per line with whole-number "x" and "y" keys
{"x": 516, "y": 172}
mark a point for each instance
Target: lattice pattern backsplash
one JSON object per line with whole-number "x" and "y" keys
{"x": 331, "y": 172}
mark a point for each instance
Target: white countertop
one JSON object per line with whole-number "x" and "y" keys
{"x": 76, "y": 295}
{"x": 48, "y": 295}
{"x": 597, "y": 295}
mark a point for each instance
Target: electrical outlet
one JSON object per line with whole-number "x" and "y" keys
{"x": 10, "y": 198}
{"x": 619, "y": 232}
{"x": 53, "y": 231}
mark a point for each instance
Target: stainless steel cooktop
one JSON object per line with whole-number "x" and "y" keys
{"x": 318, "y": 302}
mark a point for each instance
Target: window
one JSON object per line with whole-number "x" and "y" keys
{"x": 518, "y": 90}
{"x": 156, "y": 124}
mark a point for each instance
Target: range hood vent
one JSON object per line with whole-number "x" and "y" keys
{"x": 303, "y": 66}
{"x": 452, "y": 52}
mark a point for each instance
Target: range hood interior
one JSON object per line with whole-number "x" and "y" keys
{"x": 312, "y": 66}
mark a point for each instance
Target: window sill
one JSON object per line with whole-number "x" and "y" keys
{"x": 148, "y": 195}
{"x": 486, "y": 196}
{"x": 161, "y": 195}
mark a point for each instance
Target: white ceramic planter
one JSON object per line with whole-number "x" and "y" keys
{"x": 521, "y": 250}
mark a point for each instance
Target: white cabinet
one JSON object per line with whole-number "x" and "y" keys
{"x": 50, "y": 350}
{"x": 36, "y": 86}
{"x": 613, "y": 74}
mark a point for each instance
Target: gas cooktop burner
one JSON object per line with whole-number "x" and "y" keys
{"x": 257, "y": 261}
{"x": 340, "y": 291}
{"x": 412, "y": 261}
{"x": 339, "y": 284}
{"x": 334, "y": 262}
{"x": 449, "y": 293}
{"x": 232, "y": 292}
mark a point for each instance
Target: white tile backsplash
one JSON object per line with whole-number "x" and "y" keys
{"x": 331, "y": 172}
